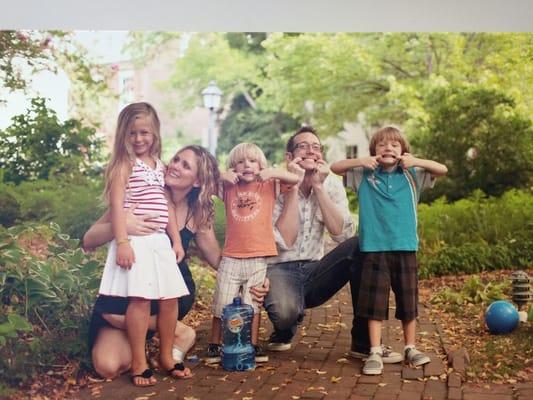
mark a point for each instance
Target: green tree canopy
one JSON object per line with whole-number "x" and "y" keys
{"x": 264, "y": 128}
{"x": 478, "y": 133}
{"x": 328, "y": 79}
{"x": 36, "y": 145}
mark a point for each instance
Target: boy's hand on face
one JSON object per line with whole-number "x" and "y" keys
{"x": 407, "y": 160}
{"x": 231, "y": 176}
{"x": 295, "y": 168}
{"x": 370, "y": 162}
{"x": 264, "y": 175}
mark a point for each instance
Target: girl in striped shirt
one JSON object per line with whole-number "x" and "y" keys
{"x": 143, "y": 268}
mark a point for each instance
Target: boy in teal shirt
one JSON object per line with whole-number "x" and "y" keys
{"x": 388, "y": 184}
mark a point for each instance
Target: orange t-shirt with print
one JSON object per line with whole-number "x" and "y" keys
{"x": 249, "y": 230}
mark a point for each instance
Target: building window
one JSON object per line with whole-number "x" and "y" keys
{"x": 351, "y": 151}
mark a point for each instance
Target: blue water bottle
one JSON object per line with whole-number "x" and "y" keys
{"x": 238, "y": 354}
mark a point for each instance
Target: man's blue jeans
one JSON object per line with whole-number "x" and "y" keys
{"x": 297, "y": 285}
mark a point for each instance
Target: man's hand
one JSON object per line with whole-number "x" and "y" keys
{"x": 138, "y": 225}
{"x": 230, "y": 176}
{"x": 125, "y": 255}
{"x": 407, "y": 160}
{"x": 259, "y": 292}
{"x": 320, "y": 173}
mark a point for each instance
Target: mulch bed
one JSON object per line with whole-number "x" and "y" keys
{"x": 493, "y": 358}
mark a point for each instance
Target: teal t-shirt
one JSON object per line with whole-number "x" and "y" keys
{"x": 387, "y": 207}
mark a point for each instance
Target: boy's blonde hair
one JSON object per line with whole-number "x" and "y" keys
{"x": 243, "y": 150}
{"x": 389, "y": 132}
{"x": 123, "y": 155}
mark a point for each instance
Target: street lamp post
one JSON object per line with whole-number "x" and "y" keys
{"x": 211, "y": 95}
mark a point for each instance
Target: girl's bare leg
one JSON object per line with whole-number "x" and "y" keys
{"x": 255, "y": 327}
{"x": 216, "y": 332}
{"x": 166, "y": 324}
{"x": 137, "y": 316}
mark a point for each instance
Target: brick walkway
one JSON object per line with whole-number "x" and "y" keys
{"x": 317, "y": 367}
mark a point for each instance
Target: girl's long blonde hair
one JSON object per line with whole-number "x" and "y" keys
{"x": 200, "y": 199}
{"x": 123, "y": 156}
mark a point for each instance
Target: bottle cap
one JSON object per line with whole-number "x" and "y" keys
{"x": 237, "y": 301}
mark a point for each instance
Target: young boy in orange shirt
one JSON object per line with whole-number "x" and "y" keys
{"x": 249, "y": 192}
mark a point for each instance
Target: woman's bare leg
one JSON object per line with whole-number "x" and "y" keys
{"x": 184, "y": 339}
{"x": 184, "y": 335}
{"x": 111, "y": 352}
{"x": 166, "y": 323}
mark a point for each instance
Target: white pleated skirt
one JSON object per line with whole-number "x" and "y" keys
{"x": 154, "y": 275}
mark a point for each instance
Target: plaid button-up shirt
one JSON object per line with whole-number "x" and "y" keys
{"x": 309, "y": 244}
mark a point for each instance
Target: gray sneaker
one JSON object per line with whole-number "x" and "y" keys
{"x": 415, "y": 357}
{"x": 373, "y": 365}
{"x": 212, "y": 355}
{"x": 260, "y": 355}
{"x": 388, "y": 356}
{"x": 279, "y": 346}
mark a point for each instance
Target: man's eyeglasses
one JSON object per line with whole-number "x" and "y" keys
{"x": 306, "y": 146}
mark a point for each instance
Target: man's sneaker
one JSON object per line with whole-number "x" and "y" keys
{"x": 415, "y": 357}
{"x": 212, "y": 356}
{"x": 260, "y": 355}
{"x": 275, "y": 344}
{"x": 388, "y": 356}
{"x": 373, "y": 365}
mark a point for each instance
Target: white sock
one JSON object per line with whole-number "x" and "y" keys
{"x": 177, "y": 354}
{"x": 408, "y": 346}
{"x": 376, "y": 349}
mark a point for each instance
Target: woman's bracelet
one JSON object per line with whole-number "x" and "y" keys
{"x": 122, "y": 241}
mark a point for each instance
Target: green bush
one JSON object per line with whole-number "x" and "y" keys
{"x": 73, "y": 203}
{"x": 474, "y": 291}
{"x": 9, "y": 206}
{"x": 46, "y": 297}
{"x": 476, "y": 234}
{"x": 461, "y": 119}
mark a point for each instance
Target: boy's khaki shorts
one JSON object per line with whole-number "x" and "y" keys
{"x": 234, "y": 273}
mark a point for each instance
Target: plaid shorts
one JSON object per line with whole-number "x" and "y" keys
{"x": 380, "y": 272}
{"x": 234, "y": 273}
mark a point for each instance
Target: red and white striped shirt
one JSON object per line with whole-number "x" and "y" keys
{"x": 146, "y": 189}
